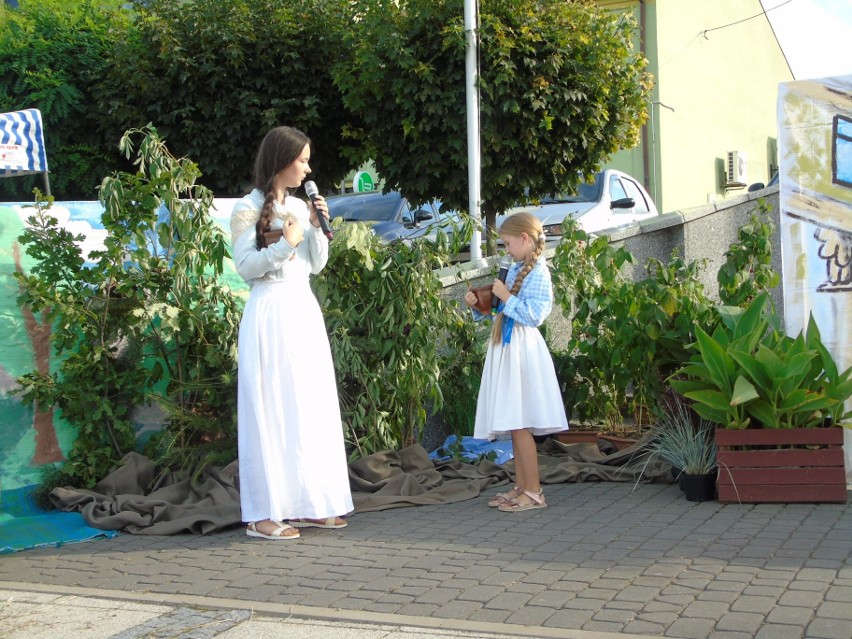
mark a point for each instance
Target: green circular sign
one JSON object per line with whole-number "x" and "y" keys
{"x": 363, "y": 182}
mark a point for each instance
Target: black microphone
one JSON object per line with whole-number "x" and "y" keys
{"x": 505, "y": 263}
{"x": 312, "y": 191}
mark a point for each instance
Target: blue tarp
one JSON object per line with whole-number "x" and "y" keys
{"x": 24, "y": 525}
{"x": 473, "y": 449}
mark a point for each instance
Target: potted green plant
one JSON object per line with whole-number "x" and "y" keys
{"x": 688, "y": 443}
{"x": 779, "y": 403}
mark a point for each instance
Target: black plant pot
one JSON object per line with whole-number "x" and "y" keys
{"x": 699, "y": 487}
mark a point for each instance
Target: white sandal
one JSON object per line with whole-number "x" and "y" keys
{"x": 514, "y": 506}
{"x": 276, "y": 534}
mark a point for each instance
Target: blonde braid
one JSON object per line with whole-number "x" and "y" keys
{"x": 529, "y": 265}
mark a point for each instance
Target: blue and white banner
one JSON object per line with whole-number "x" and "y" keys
{"x": 22, "y": 143}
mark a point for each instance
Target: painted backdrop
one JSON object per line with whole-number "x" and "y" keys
{"x": 815, "y": 141}
{"x": 29, "y": 439}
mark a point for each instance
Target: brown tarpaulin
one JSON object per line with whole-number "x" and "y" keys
{"x": 134, "y": 500}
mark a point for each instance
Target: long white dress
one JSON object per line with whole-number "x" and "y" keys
{"x": 291, "y": 452}
{"x": 519, "y": 388}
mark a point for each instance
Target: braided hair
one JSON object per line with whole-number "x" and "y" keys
{"x": 516, "y": 225}
{"x": 278, "y": 150}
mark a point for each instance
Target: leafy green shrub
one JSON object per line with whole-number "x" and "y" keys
{"x": 215, "y": 75}
{"x": 561, "y": 84}
{"x": 52, "y": 53}
{"x": 747, "y": 270}
{"x": 147, "y": 321}
{"x": 626, "y": 336}
{"x": 750, "y": 374}
{"x": 392, "y": 335}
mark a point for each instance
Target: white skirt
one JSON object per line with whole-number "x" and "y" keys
{"x": 519, "y": 388}
{"x": 291, "y": 452}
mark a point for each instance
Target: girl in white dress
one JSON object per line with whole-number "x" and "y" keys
{"x": 519, "y": 392}
{"x": 291, "y": 452}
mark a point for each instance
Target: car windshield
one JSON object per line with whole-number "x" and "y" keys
{"x": 586, "y": 192}
{"x": 368, "y": 207}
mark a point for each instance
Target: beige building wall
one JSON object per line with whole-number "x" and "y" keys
{"x": 717, "y": 70}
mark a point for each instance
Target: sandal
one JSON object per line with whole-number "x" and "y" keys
{"x": 328, "y": 522}
{"x": 278, "y": 533}
{"x": 514, "y": 506}
{"x": 501, "y": 498}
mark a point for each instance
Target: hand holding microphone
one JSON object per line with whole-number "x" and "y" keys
{"x": 505, "y": 263}
{"x": 312, "y": 192}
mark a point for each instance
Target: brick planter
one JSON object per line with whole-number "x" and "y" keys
{"x": 787, "y": 465}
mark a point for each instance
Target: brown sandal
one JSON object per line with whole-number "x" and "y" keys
{"x": 501, "y": 498}
{"x": 514, "y": 506}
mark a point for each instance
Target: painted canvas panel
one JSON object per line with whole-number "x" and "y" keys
{"x": 815, "y": 144}
{"x": 29, "y": 439}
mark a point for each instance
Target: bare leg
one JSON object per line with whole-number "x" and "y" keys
{"x": 526, "y": 463}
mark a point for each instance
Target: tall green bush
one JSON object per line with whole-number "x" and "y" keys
{"x": 626, "y": 335}
{"x": 52, "y": 53}
{"x": 145, "y": 321}
{"x": 393, "y": 336}
{"x": 215, "y": 75}
{"x": 562, "y": 88}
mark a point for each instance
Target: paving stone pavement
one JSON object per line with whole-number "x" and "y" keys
{"x": 603, "y": 558}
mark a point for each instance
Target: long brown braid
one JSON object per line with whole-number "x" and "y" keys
{"x": 516, "y": 225}
{"x": 278, "y": 150}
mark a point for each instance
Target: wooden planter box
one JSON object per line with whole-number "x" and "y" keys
{"x": 795, "y": 465}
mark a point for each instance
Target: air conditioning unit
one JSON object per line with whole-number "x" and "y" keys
{"x": 737, "y": 174}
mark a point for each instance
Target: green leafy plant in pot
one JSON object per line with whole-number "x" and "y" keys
{"x": 750, "y": 374}
{"x": 687, "y": 442}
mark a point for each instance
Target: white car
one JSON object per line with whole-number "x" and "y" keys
{"x": 614, "y": 199}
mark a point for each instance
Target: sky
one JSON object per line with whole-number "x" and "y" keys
{"x": 815, "y": 35}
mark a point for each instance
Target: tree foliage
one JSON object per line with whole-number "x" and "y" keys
{"x": 561, "y": 90}
{"x": 51, "y": 54}
{"x": 143, "y": 319}
{"x": 215, "y": 75}
{"x": 398, "y": 345}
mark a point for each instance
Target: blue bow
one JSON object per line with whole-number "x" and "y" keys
{"x": 506, "y": 327}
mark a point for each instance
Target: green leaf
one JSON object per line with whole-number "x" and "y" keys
{"x": 744, "y": 392}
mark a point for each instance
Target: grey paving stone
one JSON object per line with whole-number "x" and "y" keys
{"x": 641, "y": 627}
{"x": 572, "y": 618}
{"x": 706, "y": 609}
{"x": 614, "y": 615}
{"x": 481, "y": 594}
{"x": 745, "y": 603}
{"x": 839, "y": 593}
{"x": 790, "y": 615}
{"x": 828, "y": 629}
{"x": 745, "y": 622}
{"x": 531, "y": 615}
{"x": 601, "y": 626}
{"x": 802, "y": 598}
{"x": 835, "y": 610}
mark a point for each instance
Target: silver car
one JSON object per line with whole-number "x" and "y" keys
{"x": 614, "y": 199}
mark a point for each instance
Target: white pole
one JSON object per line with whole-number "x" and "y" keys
{"x": 471, "y": 26}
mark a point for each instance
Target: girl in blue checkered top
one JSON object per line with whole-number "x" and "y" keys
{"x": 519, "y": 392}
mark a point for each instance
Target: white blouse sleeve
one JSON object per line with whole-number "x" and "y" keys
{"x": 251, "y": 263}
{"x": 317, "y": 248}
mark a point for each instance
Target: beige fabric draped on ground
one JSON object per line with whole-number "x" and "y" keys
{"x": 134, "y": 500}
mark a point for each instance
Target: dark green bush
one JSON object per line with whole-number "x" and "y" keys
{"x": 52, "y": 52}
{"x": 215, "y": 75}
